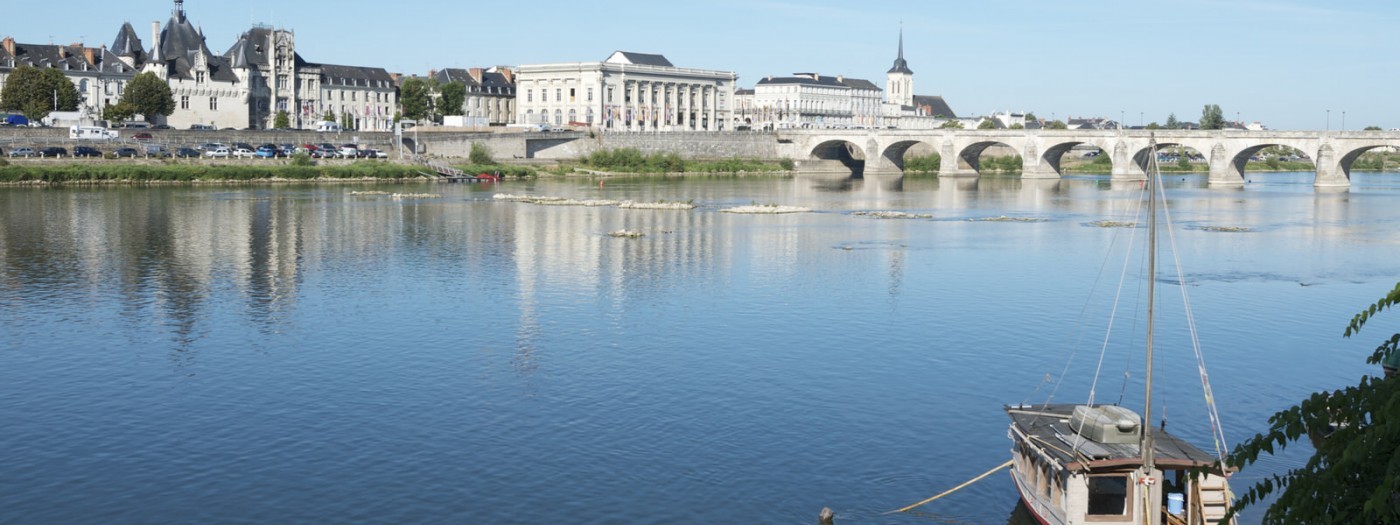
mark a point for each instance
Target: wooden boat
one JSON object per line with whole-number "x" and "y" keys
{"x": 1102, "y": 464}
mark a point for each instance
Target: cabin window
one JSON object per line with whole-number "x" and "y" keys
{"x": 1108, "y": 495}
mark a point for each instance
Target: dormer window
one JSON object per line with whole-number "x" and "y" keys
{"x": 199, "y": 77}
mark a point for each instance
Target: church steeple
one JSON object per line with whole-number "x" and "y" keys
{"x": 179, "y": 12}
{"x": 900, "y": 66}
{"x": 899, "y": 81}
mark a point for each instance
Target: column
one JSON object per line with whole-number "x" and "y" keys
{"x": 712, "y": 108}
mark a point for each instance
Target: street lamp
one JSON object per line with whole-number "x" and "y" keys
{"x": 1344, "y": 120}
{"x": 1329, "y": 120}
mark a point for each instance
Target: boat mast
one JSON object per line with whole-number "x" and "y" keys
{"x": 1152, "y": 176}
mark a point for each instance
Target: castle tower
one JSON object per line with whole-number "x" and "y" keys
{"x": 899, "y": 81}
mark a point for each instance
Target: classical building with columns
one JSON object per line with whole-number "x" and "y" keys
{"x": 625, "y": 92}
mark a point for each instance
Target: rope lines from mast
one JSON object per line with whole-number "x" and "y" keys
{"x": 1217, "y": 433}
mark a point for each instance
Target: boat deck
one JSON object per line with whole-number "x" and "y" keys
{"x": 1048, "y": 426}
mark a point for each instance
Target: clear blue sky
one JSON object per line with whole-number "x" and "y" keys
{"x": 1282, "y": 62}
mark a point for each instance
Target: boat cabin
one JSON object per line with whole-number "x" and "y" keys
{"x": 1080, "y": 464}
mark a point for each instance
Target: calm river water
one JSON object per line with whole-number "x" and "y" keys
{"x": 295, "y": 354}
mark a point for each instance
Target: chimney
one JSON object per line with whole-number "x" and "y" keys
{"x": 9, "y": 44}
{"x": 62, "y": 52}
{"x": 432, "y": 73}
{"x": 155, "y": 39}
{"x": 476, "y": 74}
{"x": 508, "y": 73}
{"x": 91, "y": 55}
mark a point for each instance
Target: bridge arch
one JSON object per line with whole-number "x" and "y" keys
{"x": 896, "y": 152}
{"x": 1346, "y": 160}
{"x": 1054, "y": 153}
{"x": 969, "y": 158}
{"x": 847, "y": 153}
{"x": 1235, "y": 173}
{"x": 1175, "y": 151}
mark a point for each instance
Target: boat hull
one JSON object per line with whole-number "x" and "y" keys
{"x": 1038, "y": 509}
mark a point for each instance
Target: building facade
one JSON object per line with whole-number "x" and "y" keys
{"x": 99, "y": 75}
{"x": 625, "y": 92}
{"x": 490, "y": 99}
{"x": 810, "y": 100}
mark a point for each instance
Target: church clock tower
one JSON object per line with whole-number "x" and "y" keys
{"x": 899, "y": 81}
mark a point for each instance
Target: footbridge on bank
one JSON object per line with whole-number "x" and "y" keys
{"x": 1041, "y": 151}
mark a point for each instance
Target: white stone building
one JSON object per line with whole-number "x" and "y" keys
{"x": 625, "y": 92}
{"x": 810, "y": 100}
{"x": 99, "y": 75}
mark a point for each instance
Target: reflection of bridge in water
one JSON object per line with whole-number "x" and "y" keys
{"x": 1041, "y": 151}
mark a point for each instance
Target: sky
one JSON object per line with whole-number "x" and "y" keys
{"x": 1288, "y": 64}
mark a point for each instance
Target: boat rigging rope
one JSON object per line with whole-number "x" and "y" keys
{"x": 1113, "y": 316}
{"x": 954, "y": 489}
{"x": 1084, "y": 310}
{"x": 1217, "y": 430}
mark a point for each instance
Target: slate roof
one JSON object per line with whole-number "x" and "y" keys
{"x": 934, "y": 106}
{"x": 640, "y": 59}
{"x": 820, "y": 80}
{"x": 900, "y": 66}
{"x": 128, "y": 44}
{"x": 491, "y": 83}
{"x": 335, "y": 75}
{"x": 65, "y": 58}
{"x": 182, "y": 46}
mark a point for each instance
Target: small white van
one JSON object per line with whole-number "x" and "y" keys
{"x": 329, "y": 127}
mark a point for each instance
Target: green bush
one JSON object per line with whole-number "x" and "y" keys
{"x": 630, "y": 160}
{"x": 187, "y": 173}
{"x": 786, "y": 164}
{"x": 480, "y": 154}
{"x": 302, "y": 159}
{"x": 923, "y": 163}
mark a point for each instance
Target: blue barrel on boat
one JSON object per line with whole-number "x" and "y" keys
{"x": 1176, "y": 503}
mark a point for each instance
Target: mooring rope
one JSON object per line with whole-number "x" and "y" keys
{"x": 954, "y": 489}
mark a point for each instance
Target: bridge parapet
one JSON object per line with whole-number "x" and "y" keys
{"x": 1227, "y": 151}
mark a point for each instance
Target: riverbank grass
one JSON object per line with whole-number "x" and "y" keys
{"x": 134, "y": 173}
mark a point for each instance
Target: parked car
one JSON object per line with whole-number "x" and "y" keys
{"x": 243, "y": 145}
{"x": 243, "y": 153}
{"x": 187, "y": 153}
{"x": 142, "y": 136}
{"x": 23, "y": 152}
{"x": 218, "y": 153}
{"x": 211, "y": 146}
{"x": 53, "y": 151}
{"x": 287, "y": 149}
{"x": 161, "y": 126}
{"x": 325, "y": 153}
{"x": 157, "y": 150}
{"x": 265, "y": 152}
{"x": 327, "y": 146}
{"x": 86, "y": 151}
{"x": 349, "y": 151}
{"x": 201, "y": 127}
{"x": 126, "y": 152}
{"x": 375, "y": 154}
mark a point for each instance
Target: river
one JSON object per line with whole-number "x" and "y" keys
{"x": 301, "y": 353}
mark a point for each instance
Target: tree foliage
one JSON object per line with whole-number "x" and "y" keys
{"x": 149, "y": 95}
{"x": 1212, "y": 117}
{"x": 1372, "y": 128}
{"x": 952, "y": 124}
{"x": 987, "y": 124}
{"x": 1172, "y": 122}
{"x": 480, "y": 154}
{"x": 1030, "y": 117}
{"x": 281, "y": 120}
{"x": 33, "y": 91}
{"x": 454, "y": 98}
{"x": 121, "y": 112}
{"x": 1354, "y": 473}
{"x": 415, "y": 96}
{"x": 1056, "y": 124}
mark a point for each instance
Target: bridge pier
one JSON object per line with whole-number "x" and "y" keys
{"x": 1331, "y": 172}
{"x": 1034, "y": 165}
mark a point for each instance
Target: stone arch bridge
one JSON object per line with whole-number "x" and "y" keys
{"x": 1042, "y": 150}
